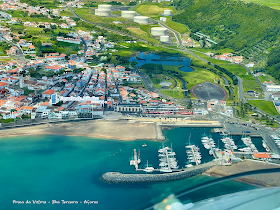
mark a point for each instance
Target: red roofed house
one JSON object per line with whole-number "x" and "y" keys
{"x": 47, "y": 94}
{"x": 3, "y": 84}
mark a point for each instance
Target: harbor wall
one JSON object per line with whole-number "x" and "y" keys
{"x": 159, "y": 135}
{"x": 116, "y": 177}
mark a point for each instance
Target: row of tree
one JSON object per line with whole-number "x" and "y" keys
{"x": 231, "y": 75}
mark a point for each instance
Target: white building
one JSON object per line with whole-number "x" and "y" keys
{"x": 273, "y": 88}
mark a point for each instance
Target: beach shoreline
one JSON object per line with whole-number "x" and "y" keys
{"x": 105, "y": 129}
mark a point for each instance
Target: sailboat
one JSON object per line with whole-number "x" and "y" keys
{"x": 149, "y": 169}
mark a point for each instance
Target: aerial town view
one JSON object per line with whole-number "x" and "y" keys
{"x": 141, "y": 104}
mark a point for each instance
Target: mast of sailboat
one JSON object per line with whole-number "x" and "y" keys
{"x": 190, "y": 138}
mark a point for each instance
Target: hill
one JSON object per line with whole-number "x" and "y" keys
{"x": 231, "y": 23}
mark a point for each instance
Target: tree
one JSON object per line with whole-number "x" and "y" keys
{"x": 46, "y": 30}
{"x": 53, "y": 26}
{"x": 190, "y": 105}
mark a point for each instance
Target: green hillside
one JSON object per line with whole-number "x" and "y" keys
{"x": 273, "y": 63}
{"x": 231, "y": 23}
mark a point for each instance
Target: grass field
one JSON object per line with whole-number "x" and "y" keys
{"x": 34, "y": 30}
{"x": 239, "y": 70}
{"x": 275, "y": 4}
{"x": 67, "y": 13}
{"x": 212, "y": 60}
{"x": 137, "y": 31}
{"x": 263, "y": 79}
{"x": 174, "y": 94}
{"x": 176, "y": 26}
{"x": 220, "y": 51}
{"x": 153, "y": 10}
{"x": 266, "y": 106}
{"x": 251, "y": 85}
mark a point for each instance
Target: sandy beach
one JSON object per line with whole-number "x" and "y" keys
{"x": 115, "y": 129}
{"x": 261, "y": 180}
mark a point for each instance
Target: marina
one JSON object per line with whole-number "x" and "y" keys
{"x": 203, "y": 150}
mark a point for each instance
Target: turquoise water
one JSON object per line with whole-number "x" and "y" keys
{"x": 174, "y": 61}
{"x": 50, "y": 168}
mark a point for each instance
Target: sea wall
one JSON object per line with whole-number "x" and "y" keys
{"x": 116, "y": 177}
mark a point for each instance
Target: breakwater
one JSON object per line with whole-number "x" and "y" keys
{"x": 116, "y": 177}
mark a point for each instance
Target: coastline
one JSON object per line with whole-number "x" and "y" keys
{"x": 105, "y": 129}
{"x": 260, "y": 180}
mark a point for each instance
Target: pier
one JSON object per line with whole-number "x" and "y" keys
{"x": 135, "y": 159}
{"x": 194, "y": 157}
{"x": 167, "y": 158}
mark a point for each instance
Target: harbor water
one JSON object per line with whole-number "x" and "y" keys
{"x": 48, "y": 168}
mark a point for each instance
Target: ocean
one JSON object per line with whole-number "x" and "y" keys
{"x": 55, "y": 168}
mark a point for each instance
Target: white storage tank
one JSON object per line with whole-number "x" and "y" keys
{"x": 167, "y": 12}
{"x": 103, "y": 12}
{"x": 128, "y": 14}
{"x": 163, "y": 19}
{"x": 158, "y": 31}
{"x": 141, "y": 19}
{"x": 105, "y": 6}
{"x": 164, "y": 38}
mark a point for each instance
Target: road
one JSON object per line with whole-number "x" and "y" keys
{"x": 176, "y": 33}
{"x": 148, "y": 83}
{"x": 240, "y": 90}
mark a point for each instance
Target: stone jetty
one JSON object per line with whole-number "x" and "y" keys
{"x": 116, "y": 177}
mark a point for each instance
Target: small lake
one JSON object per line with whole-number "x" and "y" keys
{"x": 164, "y": 60}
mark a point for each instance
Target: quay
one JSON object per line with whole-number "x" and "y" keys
{"x": 116, "y": 177}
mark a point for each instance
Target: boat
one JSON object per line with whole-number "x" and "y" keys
{"x": 189, "y": 165}
{"x": 174, "y": 166}
{"x": 165, "y": 169}
{"x": 210, "y": 152}
{"x": 149, "y": 169}
{"x": 163, "y": 164}
{"x": 207, "y": 146}
{"x": 144, "y": 145}
{"x": 132, "y": 161}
